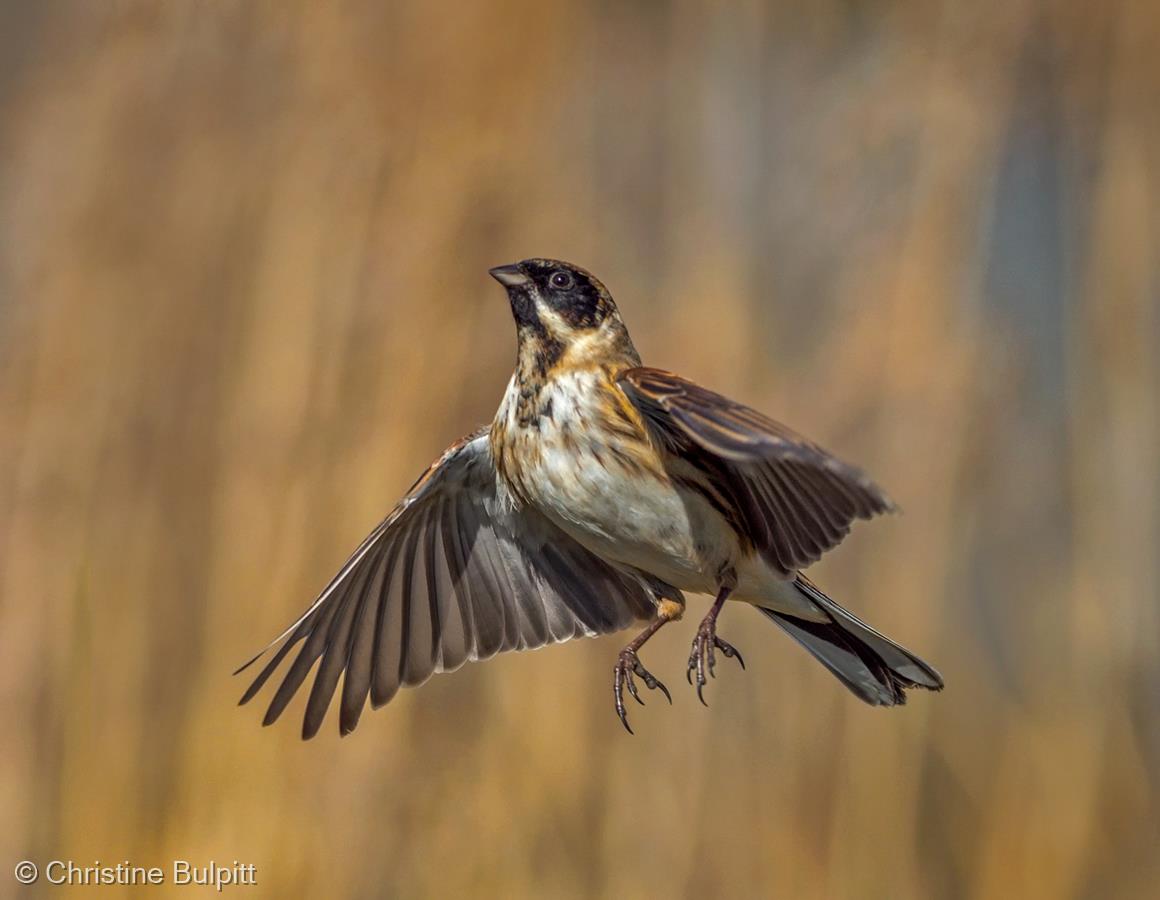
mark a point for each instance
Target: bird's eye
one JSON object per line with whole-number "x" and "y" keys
{"x": 561, "y": 279}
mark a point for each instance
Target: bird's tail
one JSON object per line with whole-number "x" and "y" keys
{"x": 871, "y": 665}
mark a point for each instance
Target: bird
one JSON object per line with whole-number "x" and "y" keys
{"x": 602, "y": 491}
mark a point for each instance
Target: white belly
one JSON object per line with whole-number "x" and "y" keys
{"x": 674, "y": 535}
{"x": 584, "y": 478}
{"x": 636, "y": 521}
{"x": 633, "y": 518}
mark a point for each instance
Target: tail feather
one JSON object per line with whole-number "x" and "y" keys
{"x": 872, "y": 666}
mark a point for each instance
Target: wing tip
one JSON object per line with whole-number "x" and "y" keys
{"x": 888, "y": 506}
{"x": 253, "y": 659}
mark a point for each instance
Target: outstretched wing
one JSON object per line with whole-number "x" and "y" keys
{"x": 453, "y": 574}
{"x": 787, "y": 495}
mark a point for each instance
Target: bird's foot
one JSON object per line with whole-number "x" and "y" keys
{"x": 703, "y": 658}
{"x": 628, "y": 664}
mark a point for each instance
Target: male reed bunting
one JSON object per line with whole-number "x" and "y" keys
{"x": 601, "y": 491}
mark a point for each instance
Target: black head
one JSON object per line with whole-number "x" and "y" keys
{"x": 564, "y": 317}
{"x": 558, "y": 297}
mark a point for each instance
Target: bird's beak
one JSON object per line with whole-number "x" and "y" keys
{"x": 508, "y": 276}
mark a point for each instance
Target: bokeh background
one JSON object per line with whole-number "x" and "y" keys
{"x": 244, "y": 301}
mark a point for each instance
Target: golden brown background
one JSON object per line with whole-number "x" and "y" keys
{"x": 244, "y": 301}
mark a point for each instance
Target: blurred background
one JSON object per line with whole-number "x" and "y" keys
{"x": 244, "y": 302}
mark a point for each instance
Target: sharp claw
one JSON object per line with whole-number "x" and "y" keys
{"x": 618, "y": 694}
{"x": 626, "y": 666}
{"x": 729, "y": 650}
{"x": 704, "y": 656}
{"x": 651, "y": 681}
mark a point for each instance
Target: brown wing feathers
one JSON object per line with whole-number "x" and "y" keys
{"x": 452, "y": 574}
{"x": 785, "y": 494}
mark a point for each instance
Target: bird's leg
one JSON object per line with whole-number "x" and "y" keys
{"x": 628, "y": 663}
{"x": 706, "y": 643}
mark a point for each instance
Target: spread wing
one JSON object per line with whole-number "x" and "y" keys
{"x": 787, "y": 495}
{"x": 453, "y": 574}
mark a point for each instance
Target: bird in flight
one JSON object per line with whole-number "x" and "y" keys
{"x": 601, "y": 491}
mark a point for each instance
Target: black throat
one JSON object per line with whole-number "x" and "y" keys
{"x": 538, "y": 355}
